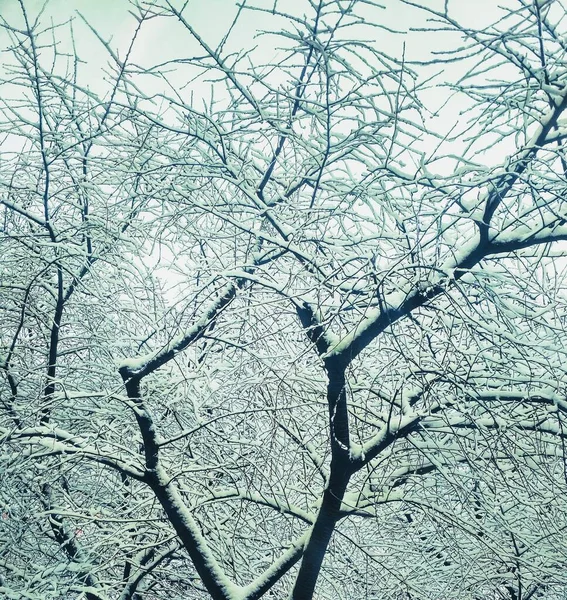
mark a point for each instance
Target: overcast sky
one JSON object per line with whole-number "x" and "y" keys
{"x": 165, "y": 39}
{"x": 212, "y": 18}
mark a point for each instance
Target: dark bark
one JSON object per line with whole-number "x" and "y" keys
{"x": 187, "y": 531}
{"x": 322, "y": 531}
{"x": 340, "y": 473}
{"x": 68, "y": 543}
{"x": 201, "y": 560}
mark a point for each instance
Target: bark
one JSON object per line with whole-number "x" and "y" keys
{"x": 322, "y": 531}
{"x": 340, "y": 473}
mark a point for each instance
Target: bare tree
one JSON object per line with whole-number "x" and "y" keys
{"x": 285, "y": 319}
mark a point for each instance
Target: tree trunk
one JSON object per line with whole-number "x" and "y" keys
{"x": 322, "y": 531}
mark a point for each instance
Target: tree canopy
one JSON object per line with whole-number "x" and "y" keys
{"x": 283, "y": 312}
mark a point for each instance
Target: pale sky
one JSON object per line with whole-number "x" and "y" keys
{"x": 211, "y": 18}
{"x": 165, "y": 39}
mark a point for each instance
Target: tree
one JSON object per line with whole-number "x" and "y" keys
{"x": 281, "y": 321}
